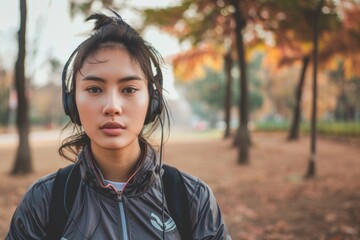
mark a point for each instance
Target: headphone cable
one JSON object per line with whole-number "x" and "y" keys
{"x": 161, "y": 180}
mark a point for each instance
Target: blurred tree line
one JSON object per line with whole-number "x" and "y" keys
{"x": 206, "y": 94}
{"x": 5, "y": 81}
{"x": 45, "y": 105}
{"x": 284, "y": 31}
{"x": 272, "y": 95}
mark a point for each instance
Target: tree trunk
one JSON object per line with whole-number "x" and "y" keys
{"x": 243, "y": 136}
{"x": 228, "y": 95}
{"x": 295, "y": 126}
{"x": 23, "y": 157}
{"x": 342, "y": 99}
{"x": 311, "y": 171}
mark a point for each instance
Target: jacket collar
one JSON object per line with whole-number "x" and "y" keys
{"x": 147, "y": 171}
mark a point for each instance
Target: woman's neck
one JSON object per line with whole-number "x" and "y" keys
{"x": 117, "y": 165}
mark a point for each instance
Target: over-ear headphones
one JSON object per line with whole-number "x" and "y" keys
{"x": 155, "y": 104}
{"x": 70, "y": 108}
{"x": 68, "y": 96}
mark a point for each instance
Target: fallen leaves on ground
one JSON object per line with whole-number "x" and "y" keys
{"x": 268, "y": 199}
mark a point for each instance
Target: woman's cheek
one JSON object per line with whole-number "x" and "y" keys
{"x": 144, "y": 104}
{"x": 81, "y": 103}
{"x": 79, "y": 97}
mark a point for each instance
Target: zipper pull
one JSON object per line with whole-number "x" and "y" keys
{"x": 119, "y": 195}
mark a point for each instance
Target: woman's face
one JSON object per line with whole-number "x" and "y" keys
{"x": 112, "y": 98}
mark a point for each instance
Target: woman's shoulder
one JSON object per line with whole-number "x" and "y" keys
{"x": 32, "y": 210}
{"x": 43, "y": 184}
{"x": 39, "y": 192}
{"x": 196, "y": 188}
{"x": 206, "y": 220}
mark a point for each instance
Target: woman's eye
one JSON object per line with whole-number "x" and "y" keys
{"x": 129, "y": 90}
{"x": 93, "y": 90}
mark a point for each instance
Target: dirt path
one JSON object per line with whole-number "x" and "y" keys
{"x": 268, "y": 199}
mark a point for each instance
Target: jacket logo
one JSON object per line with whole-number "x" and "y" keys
{"x": 169, "y": 225}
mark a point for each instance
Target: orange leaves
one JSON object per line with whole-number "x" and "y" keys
{"x": 191, "y": 64}
{"x": 273, "y": 56}
{"x": 351, "y": 66}
{"x": 352, "y": 15}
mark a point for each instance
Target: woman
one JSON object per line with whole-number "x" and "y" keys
{"x": 113, "y": 97}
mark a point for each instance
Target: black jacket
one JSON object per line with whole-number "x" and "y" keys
{"x": 100, "y": 212}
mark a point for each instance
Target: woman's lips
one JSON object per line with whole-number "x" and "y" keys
{"x": 112, "y": 128}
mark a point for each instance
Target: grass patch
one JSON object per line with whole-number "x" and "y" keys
{"x": 198, "y": 135}
{"x": 343, "y": 129}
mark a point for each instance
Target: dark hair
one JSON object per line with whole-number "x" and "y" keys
{"x": 110, "y": 30}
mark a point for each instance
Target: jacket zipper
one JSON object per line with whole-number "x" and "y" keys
{"x": 121, "y": 205}
{"x": 124, "y": 228}
{"x": 122, "y": 216}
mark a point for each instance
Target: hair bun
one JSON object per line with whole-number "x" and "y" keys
{"x": 103, "y": 20}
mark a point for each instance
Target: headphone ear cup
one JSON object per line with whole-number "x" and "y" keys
{"x": 156, "y": 104}
{"x": 155, "y": 108}
{"x": 65, "y": 103}
{"x": 70, "y": 108}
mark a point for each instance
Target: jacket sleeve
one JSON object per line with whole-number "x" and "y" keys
{"x": 205, "y": 215}
{"x": 31, "y": 215}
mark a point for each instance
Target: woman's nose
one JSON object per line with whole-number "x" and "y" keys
{"x": 112, "y": 106}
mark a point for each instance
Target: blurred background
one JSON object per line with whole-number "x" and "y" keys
{"x": 235, "y": 72}
{"x": 199, "y": 44}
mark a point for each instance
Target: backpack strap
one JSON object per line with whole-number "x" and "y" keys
{"x": 177, "y": 200}
{"x": 67, "y": 182}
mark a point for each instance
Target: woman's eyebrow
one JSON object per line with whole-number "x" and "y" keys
{"x": 99, "y": 79}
